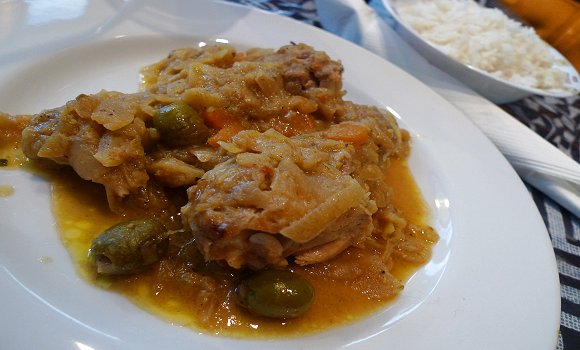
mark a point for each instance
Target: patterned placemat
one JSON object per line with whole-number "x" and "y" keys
{"x": 558, "y": 121}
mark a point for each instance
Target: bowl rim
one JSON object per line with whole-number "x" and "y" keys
{"x": 572, "y": 76}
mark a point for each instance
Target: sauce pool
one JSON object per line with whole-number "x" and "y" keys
{"x": 81, "y": 213}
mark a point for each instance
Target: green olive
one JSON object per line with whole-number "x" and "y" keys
{"x": 275, "y": 294}
{"x": 180, "y": 125}
{"x": 129, "y": 247}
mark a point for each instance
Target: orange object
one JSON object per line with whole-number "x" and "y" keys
{"x": 218, "y": 118}
{"x": 224, "y": 134}
{"x": 348, "y": 132}
{"x": 555, "y": 21}
{"x": 226, "y": 124}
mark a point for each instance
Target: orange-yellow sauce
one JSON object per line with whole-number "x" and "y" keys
{"x": 6, "y": 190}
{"x": 81, "y": 213}
{"x": 11, "y": 155}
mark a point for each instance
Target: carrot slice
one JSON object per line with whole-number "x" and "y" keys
{"x": 224, "y": 134}
{"x": 348, "y": 132}
{"x": 218, "y": 118}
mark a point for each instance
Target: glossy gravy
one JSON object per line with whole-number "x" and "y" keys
{"x": 81, "y": 212}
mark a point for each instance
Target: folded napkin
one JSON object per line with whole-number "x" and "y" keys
{"x": 537, "y": 161}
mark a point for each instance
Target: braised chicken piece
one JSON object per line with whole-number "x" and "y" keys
{"x": 105, "y": 139}
{"x": 278, "y": 167}
{"x": 279, "y": 197}
{"x": 259, "y": 85}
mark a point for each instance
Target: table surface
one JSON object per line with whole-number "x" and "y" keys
{"x": 555, "y": 119}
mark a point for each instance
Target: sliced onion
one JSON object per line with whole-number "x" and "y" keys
{"x": 313, "y": 223}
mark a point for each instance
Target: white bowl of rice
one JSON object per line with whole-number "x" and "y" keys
{"x": 491, "y": 53}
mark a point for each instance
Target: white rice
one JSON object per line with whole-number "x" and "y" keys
{"x": 484, "y": 38}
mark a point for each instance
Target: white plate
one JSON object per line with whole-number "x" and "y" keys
{"x": 492, "y": 282}
{"x": 495, "y": 89}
